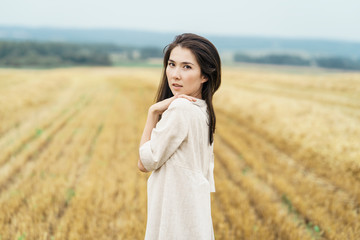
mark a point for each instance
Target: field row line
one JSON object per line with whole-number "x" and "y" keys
{"x": 263, "y": 199}
{"x": 16, "y": 158}
{"x": 316, "y": 165}
{"x": 27, "y": 187}
{"x": 280, "y": 174}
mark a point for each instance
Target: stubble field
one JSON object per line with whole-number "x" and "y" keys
{"x": 287, "y": 154}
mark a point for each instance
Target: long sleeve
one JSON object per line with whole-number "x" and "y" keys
{"x": 167, "y": 135}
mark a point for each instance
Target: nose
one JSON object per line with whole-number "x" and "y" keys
{"x": 176, "y": 73}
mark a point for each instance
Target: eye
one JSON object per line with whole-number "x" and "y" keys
{"x": 171, "y": 64}
{"x": 187, "y": 67}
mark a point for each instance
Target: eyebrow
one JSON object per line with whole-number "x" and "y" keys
{"x": 170, "y": 60}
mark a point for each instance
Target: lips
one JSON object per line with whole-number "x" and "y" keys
{"x": 176, "y": 85}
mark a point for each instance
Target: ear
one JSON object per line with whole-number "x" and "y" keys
{"x": 204, "y": 79}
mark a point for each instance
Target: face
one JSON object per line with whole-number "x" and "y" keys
{"x": 184, "y": 73}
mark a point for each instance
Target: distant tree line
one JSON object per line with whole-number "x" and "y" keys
{"x": 150, "y": 52}
{"x": 51, "y": 54}
{"x": 287, "y": 59}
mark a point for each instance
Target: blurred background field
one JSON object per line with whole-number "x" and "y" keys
{"x": 77, "y": 79}
{"x": 287, "y": 153}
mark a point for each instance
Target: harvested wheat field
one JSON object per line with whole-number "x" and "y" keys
{"x": 287, "y": 154}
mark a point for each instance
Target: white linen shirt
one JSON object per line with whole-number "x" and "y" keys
{"x": 182, "y": 162}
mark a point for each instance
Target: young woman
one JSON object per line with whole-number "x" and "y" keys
{"x": 177, "y": 142}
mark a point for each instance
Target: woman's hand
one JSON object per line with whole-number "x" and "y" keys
{"x": 160, "y": 107}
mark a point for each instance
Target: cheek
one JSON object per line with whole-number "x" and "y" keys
{"x": 193, "y": 80}
{"x": 169, "y": 73}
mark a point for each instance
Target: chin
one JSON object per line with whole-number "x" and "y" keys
{"x": 176, "y": 92}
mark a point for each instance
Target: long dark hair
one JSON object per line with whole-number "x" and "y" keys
{"x": 209, "y": 60}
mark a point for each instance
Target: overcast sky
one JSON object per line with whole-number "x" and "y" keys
{"x": 325, "y": 19}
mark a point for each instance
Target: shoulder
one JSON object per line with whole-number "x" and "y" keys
{"x": 181, "y": 104}
{"x": 177, "y": 113}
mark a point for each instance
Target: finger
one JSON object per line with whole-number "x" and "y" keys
{"x": 184, "y": 96}
{"x": 188, "y": 97}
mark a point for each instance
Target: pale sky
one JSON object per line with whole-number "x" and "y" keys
{"x": 324, "y": 19}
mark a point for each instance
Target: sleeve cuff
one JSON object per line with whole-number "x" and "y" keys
{"x": 146, "y": 156}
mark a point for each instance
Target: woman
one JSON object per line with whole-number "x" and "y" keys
{"x": 177, "y": 142}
